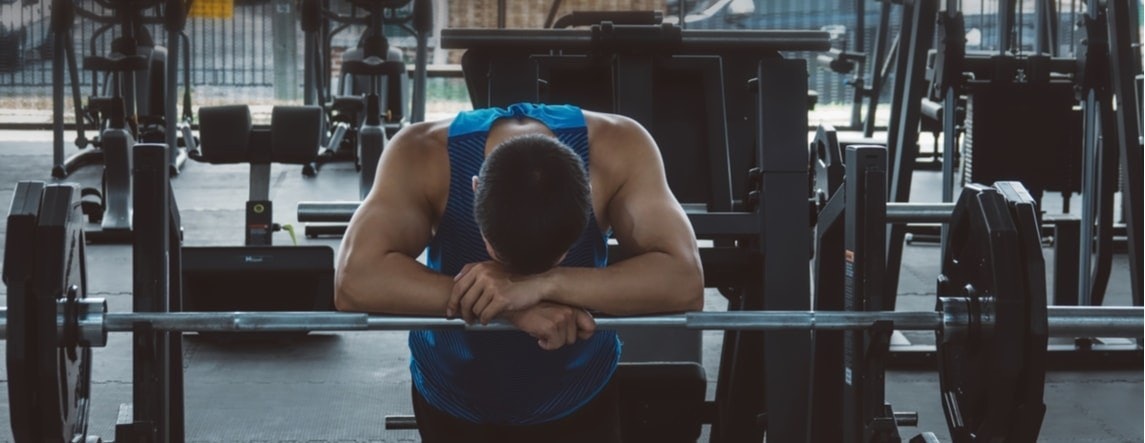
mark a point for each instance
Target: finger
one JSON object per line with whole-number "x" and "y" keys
{"x": 464, "y": 270}
{"x": 553, "y": 342}
{"x": 570, "y": 329}
{"x": 460, "y": 287}
{"x": 551, "y": 335}
{"x": 485, "y": 307}
{"x": 470, "y": 298}
{"x": 586, "y": 325}
{"x": 545, "y": 339}
{"x": 490, "y": 310}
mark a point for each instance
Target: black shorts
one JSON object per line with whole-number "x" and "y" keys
{"x": 597, "y": 422}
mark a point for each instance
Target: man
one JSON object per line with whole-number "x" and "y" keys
{"x": 515, "y": 205}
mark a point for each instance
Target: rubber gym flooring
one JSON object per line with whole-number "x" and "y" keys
{"x": 339, "y": 387}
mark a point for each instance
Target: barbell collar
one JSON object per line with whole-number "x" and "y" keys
{"x": 90, "y": 316}
{"x": 955, "y": 318}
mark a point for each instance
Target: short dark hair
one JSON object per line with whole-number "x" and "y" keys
{"x": 532, "y": 201}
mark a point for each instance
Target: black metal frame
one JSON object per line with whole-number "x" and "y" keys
{"x": 156, "y": 412}
{"x": 848, "y": 395}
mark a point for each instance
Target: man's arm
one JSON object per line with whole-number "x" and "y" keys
{"x": 378, "y": 269}
{"x": 663, "y": 273}
{"x": 377, "y": 262}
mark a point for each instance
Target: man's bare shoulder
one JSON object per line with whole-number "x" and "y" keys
{"x": 422, "y": 139}
{"x": 617, "y": 138}
{"x": 610, "y": 125}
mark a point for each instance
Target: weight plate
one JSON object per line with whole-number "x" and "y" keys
{"x": 980, "y": 372}
{"x": 64, "y": 378}
{"x": 19, "y": 254}
{"x": 1024, "y": 212}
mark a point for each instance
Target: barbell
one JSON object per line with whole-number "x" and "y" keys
{"x": 897, "y": 212}
{"x": 91, "y": 321}
{"x": 991, "y": 319}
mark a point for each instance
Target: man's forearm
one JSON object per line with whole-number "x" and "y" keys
{"x": 396, "y": 284}
{"x": 652, "y": 282}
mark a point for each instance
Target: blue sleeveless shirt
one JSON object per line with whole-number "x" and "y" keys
{"x": 505, "y": 377}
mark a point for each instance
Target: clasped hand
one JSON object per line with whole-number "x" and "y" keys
{"x": 486, "y": 290}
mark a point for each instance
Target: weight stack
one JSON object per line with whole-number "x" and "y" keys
{"x": 1030, "y": 133}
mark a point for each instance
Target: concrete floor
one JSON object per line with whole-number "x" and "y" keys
{"x": 338, "y": 387}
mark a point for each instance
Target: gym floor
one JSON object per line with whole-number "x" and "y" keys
{"x": 339, "y": 387}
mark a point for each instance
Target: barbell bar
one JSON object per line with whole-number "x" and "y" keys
{"x": 897, "y": 212}
{"x": 93, "y": 322}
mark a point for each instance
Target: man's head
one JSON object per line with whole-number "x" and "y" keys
{"x": 531, "y": 202}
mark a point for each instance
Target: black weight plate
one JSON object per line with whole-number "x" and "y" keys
{"x": 19, "y": 254}
{"x": 1024, "y": 212}
{"x": 64, "y": 381}
{"x": 979, "y": 376}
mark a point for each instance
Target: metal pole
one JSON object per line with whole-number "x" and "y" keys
{"x": 861, "y": 68}
{"x": 318, "y": 321}
{"x": 1064, "y": 321}
{"x": 423, "y": 16}
{"x": 1101, "y": 321}
{"x": 919, "y": 212}
{"x": 285, "y": 48}
{"x": 59, "y": 39}
{"x": 341, "y": 211}
{"x": 501, "y": 7}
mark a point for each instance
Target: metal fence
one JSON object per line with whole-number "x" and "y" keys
{"x": 249, "y": 57}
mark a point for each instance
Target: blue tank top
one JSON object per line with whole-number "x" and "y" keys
{"x": 505, "y": 377}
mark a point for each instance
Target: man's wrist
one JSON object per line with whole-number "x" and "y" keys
{"x": 549, "y": 285}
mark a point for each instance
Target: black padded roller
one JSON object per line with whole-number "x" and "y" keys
{"x": 295, "y": 134}
{"x": 224, "y": 134}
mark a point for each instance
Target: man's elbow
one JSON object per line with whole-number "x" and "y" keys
{"x": 693, "y": 288}
{"x": 695, "y": 296}
{"x": 346, "y": 295}
{"x": 343, "y": 300}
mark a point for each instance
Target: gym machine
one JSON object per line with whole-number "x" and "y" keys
{"x": 1043, "y": 141}
{"x": 258, "y": 276}
{"x": 361, "y": 84}
{"x": 848, "y": 190}
{"x": 135, "y": 103}
{"x": 372, "y": 101}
